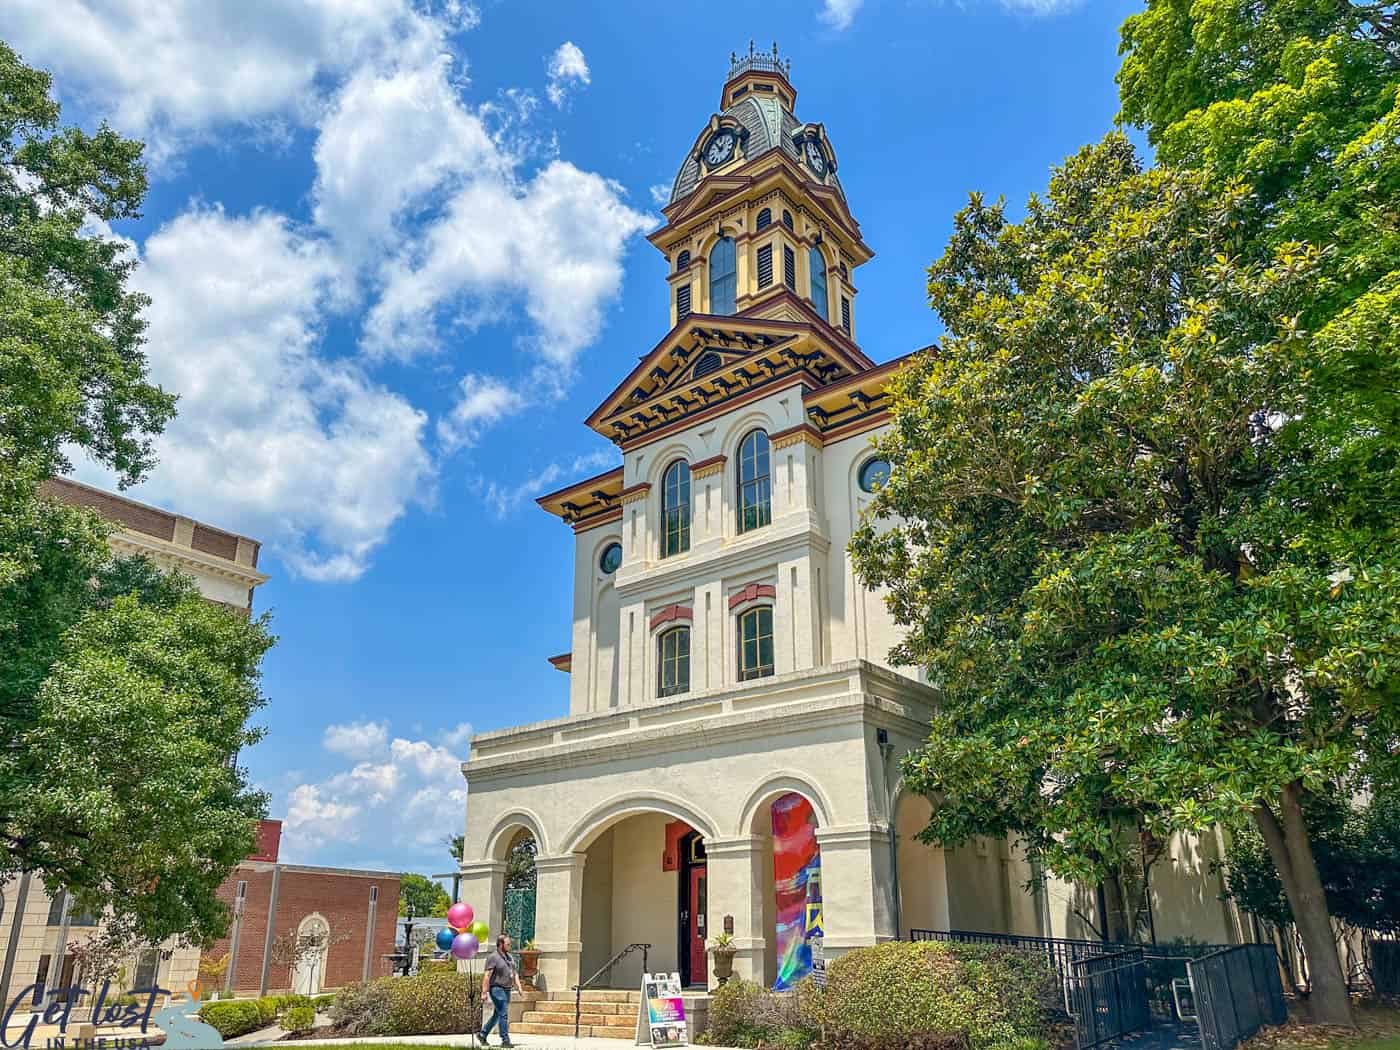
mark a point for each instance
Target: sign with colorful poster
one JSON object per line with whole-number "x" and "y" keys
{"x": 661, "y": 1013}
{"x": 797, "y": 884}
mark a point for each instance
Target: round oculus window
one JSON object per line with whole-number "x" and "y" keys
{"x": 873, "y": 474}
{"x": 611, "y": 558}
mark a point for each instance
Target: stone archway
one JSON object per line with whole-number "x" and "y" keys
{"x": 309, "y": 964}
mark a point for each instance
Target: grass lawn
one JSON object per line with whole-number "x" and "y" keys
{"x": 1377, "y": 1028}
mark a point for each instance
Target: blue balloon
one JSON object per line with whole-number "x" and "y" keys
{"x": 444, "y": 939}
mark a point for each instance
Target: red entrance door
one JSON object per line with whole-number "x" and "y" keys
{"x": 699, "y": 905}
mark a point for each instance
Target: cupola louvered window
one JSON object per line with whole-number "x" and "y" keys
{"x": 765, "y": 266}
{"x": 682, "y": 301}
{"x": 709, "y": 362}
{"x": 765, "y": 218}
{"x": 789, "y": 268}
{"x": 846, "y": 314}
{"x": 682, "y": 261}
{"x": 787, "y": 218}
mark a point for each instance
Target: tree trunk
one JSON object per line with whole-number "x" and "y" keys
{"x": 1115, "y": 918}
{"x": 1287, "y": 838}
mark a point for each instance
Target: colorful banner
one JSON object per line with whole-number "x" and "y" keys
{"x": 797, "y": 886}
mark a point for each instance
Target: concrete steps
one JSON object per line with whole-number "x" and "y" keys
{"x": 606, "y": 1014}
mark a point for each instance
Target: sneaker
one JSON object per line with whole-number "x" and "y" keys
{"x": 481, "y": 1039}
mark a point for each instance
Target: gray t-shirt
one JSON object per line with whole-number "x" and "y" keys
{"x": 501, "y": 969}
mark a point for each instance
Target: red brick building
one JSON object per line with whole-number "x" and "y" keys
{"x": 274, "y": 903}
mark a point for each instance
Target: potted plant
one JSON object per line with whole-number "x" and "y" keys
{"x": 722, "y": 948}
{"x": 529, "y": 961}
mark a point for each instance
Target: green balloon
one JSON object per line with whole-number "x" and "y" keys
{"x": 479, "y": 930}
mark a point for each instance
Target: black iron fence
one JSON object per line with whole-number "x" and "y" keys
{"x": 1106, "y": 997}
{"x": 1237, "y": 991}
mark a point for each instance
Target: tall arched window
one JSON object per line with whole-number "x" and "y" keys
{"x": 723, "y": 280}
{"x": 673, "y": 662}
{"x": 675, "y": 509}
{"x": 755, "y": 484}
{"x": 817, "y": 263}
{"x": 756, "y": 643}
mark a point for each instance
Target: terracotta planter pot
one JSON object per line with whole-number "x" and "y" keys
{"x": 529, "y": 963}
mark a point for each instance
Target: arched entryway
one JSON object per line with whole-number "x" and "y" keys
{"x": 784, "y": 821}
{"x": 520, "y": 888}
{"x": 309, "y": 964}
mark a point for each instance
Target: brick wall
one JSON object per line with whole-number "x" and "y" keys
{"x": 340, "y": 897}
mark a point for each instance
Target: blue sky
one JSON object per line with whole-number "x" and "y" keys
{"x": 396, "y": 256}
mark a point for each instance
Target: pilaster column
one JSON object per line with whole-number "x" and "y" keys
{"x": 483, "y": 886}
{"x": 559, "y": 919}
{"x": 857, "y": 886}
{"x": 733, "y": 867}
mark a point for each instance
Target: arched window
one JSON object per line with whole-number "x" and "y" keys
{"x": 722, "y": 276}
{"x": 787, "y": 218}
{"x": 673, "y": 662}
{"x": 817, "y": 262}
{"x": 675, "y": 509}
{"x": 755, "y": 484}
{"x": 756, "y": 643}
{"x": 765, "y": 218}
{"x": 682, "y": 261}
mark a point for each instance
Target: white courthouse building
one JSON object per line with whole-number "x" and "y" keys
{"x": 723, "y": 656}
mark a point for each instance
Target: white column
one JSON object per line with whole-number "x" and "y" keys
{"x": 484, "y": 888}
{"x": 736, "y": 888}
{"x": 559, "y": 919}
{"x": 857, "y": 898}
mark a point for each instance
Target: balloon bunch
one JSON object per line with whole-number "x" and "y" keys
{"x": 464, "y": 933}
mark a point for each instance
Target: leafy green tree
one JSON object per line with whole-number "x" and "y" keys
{"x": 426, "y": 896}
{"x": 124, "y": 696}
{"x": 1358, "y": 859}
{"x": 1120, "y": 528}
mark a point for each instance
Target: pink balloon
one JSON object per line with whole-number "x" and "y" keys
{"x": 460, "y": 916}
{"x": 464, "y": 946}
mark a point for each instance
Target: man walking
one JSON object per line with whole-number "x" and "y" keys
{"x": 497, "y": 980}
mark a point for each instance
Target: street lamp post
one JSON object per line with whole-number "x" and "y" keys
{"x": 408, "y": 942}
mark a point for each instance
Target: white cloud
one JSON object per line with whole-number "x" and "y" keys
{"x": 1040, "y": 7}
{"x": 553, "y": 244}
{"x": 387, "y": 140}
{"x": 405, "y": 795}
{"x": 839, "y": 14}
{"x": 661, "y": 193}
{"x": 169, "y": 70}
{"x": 356, "y": 739}
{"x": 482, "y": 401}
{"x": 506, "y": 498}
{"x": 272, "y": 438}
{"x": 567, "y": 70}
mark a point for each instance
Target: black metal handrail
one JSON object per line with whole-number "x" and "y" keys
{"x": 605, "y": 968}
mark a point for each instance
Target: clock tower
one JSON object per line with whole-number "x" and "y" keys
{"x": 757, "y": 225}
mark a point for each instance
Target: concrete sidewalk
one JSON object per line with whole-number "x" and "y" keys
{"x": 534, "y": 1042}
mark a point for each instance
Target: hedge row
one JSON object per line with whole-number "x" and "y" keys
{"x": 428, "y": 1004}
{"x": 240, "y": 1016}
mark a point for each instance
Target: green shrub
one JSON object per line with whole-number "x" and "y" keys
{"x": 916, "y": 1041}
{"x": 232, "y": 1018}
{"x": 437, "y": 966}
{"x": 267, "y": 1009}
{"x": 322, "y": 1003}
{"x": 299, "y": 1018}
{"x": 362, "y": 1009}
{"x": 745, "y": 1014}
{"x": 1024, "y": 1043}
{"x": 291, "y": 1002}
{"x": 901, "y": 990}
{"x": 434, "y": 1004}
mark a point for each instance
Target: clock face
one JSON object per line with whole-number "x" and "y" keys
{"x": 815, "y": 158}
{"x": 720, "y": 149}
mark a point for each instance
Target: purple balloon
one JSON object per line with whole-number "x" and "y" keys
{"x": 465, "y": 945}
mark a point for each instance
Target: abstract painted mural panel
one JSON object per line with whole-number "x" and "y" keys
{"x": 797, "y": 887}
